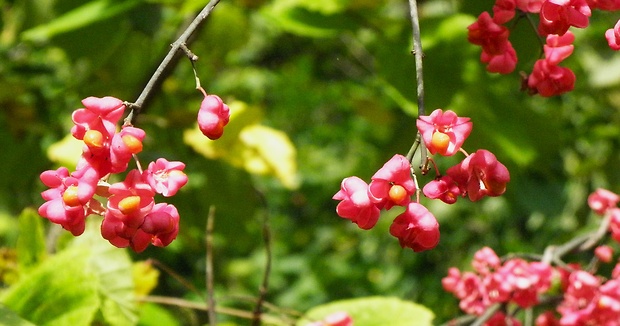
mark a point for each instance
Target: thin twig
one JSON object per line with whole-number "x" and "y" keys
{"x": 487, "y": 315}
{"x": 265, "y": 284}
{"x": 418, "y": 54}
{"x": 599, "y": 234}
{"x": 178, "y": 302}
{"x": 474, "y": 320}
{"x": 209, "y": 267}
{"x": 190, "y": 55}
{"x": 541, "y": 40}
{"x": 266, "y": 304}
{"x": 176, "y": 276}
{"x": 179, "y": 44}
{"x": 414, "y": 147}
{"x": 462, "y": 320}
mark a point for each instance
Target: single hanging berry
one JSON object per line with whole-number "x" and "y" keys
{"x": 213, "y": 116}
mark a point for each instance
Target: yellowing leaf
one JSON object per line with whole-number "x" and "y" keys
{"x": 269, "y": 151}
{"x": 145, "y": 277}
{"x": 241, "y": 115}
{"x": 246, "y": 144}
{"x": 65, "y": 152}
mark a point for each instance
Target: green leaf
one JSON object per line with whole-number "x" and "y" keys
{"x": 80, "y": 17}
{"x": 112, "y": 268}
{"x": 8, "y": 317}
{"x": 373, "y": 311}
{"x": 323, "y": 6}
{"x": 304, "y": 22}
{"x": 90, "y": 279}
{"x": 601, "y": 71}
{"x": 31, "y": 239}
{"x": 60, "y": 291}
{"x": 155, "y": 315}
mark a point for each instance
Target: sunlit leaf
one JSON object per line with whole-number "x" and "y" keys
{"x": 602, "y": 72}
{"x": 241, "y": 116}
{"x": 145, "y": 277}
{"x": 113, "y": 270}
{"x": 60, "y": 291}
{"x": 374, "y": 311}
{"x": 246, "y": 144}
{"x": 155, "y": 315}
{"x": 88, "y": 280}
{"x": 66, "y": 151}
{"x": 269, "y": 151}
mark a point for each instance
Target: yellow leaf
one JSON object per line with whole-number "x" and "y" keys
{"x": 66, "y": 152}
{"x": 144, "y": 277}
{"x": 269, "y": 151}
{"x": 246, "y": 144}
{"x": 241, "y": 115}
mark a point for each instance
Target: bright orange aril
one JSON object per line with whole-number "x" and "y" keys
{"x": 93, "y": 139}
{"x": 133, "y": 144}
{"x": 129, "y": 205}
{"x": 70, "y": 196}
{"x": 397, "y": 194}
{"x": 440, "y": 142}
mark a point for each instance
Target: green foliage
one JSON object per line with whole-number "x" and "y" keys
{"x": 154, "y": 315}
{"x": 31, "y": 240}
{"x": 8, "y": 317}
{"x": 87, "y": 281}
{"x": 58, "y": 292}
{"x": 113, "y": 270}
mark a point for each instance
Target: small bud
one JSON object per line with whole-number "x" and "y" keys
{"x": 213, "y": 116}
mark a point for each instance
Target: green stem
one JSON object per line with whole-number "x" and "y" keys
{"x": 419, "y": 55}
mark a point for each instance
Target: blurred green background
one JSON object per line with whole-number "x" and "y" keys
{"x": 338, "y": 78}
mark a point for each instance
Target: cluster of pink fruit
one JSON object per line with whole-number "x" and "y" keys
{"x": 555, "y": 19}
{"x": 443, "y": 133}
{"x": 131, "y": 218}
{"x": 580, "y": 296}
